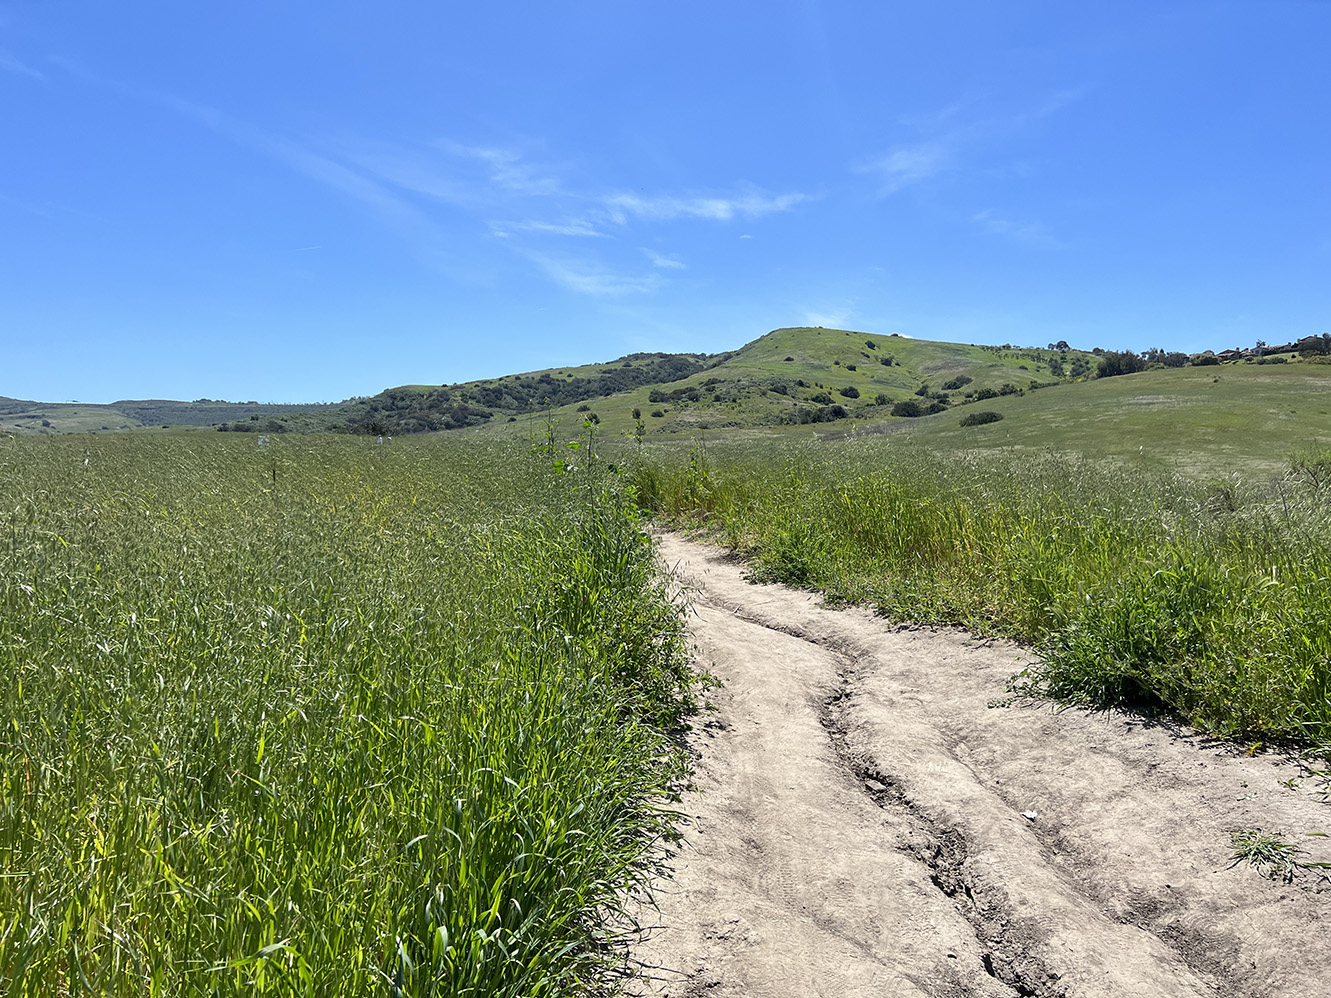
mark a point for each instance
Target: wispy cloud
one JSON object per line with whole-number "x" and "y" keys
{"x": 11, "y": 64}
{"x": 525, "y": 203}
{"x": 835, "y": 317}
{"x": 367, "y": 192}
{"x": 665, "y": 262}
{"x": 573, "y": 228}
{"x": 748, "y": 204}
{"x": 909, "y": 164}
{"x": 1030, "y": 233}
{"x": 508, "y": 169}
{"x": 590, "y": 276}
{"x": 948, "y": 135}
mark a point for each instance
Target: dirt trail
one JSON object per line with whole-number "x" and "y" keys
{"x": 861, "y": 825}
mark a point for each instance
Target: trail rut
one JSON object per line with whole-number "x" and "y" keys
{"x": 863, "y": 822}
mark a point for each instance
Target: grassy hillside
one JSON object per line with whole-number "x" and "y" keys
{"x": 425, "y": 408}
{"x": 799, "y": 376}
{"x": 22, "y": 416}
{"x": 1244, "y": 414}
{"x": 1197, "y": 420}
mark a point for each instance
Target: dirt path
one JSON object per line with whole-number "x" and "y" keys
{"x": 864, "y": 823}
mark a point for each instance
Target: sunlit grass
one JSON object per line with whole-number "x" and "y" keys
{"x": 323, "y": 718}
{"x": 1213, "y": 600}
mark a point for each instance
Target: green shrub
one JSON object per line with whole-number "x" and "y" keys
{"x": 980, "y": 418}
{"x": 1114, "y": 363}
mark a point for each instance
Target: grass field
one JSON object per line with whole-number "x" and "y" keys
{"x": 323, "y": 717}
{"x": 1243, "y": 419}
{"x": 1210, "y": 599}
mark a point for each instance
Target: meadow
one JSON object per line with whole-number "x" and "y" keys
{"x": 325, "y": 717}
{"x": 1209, "y": 600}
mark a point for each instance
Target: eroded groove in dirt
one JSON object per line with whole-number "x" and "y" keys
{"x": 944, "y": 851}
{"x": 864, "y": 824}
{"x": 941, "y": 847}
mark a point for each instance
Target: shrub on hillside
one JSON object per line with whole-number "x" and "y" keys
{"x": 1204, "y": 360}
{"x": 909, "y": 408}
{"x": 959, "y": 381}
{"x": 980, "y": 418}
{"x": 1115, "y": 362}
{"x": 850, "y": 392}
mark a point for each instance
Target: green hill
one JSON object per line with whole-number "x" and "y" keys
{"x": 1247, "y": 411}
{"x": 1235, "y": 417}
{"x": 789, "y": 377}
{"x": 28, "y": 417}
{"x": 798, "y": 376}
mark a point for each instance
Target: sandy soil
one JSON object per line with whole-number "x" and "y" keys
{"x": 864, "y": 822}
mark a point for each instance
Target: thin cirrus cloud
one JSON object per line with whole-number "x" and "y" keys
{"x": 485, "y": 180}
{"x": 377, "y": 198}
{"x": 577, "y": 228}
{"x": 12, "y": 64}
{"x": 830, "y": 318}
{"x": 663, "y": 261}
{"x": 381, "y": 202}
{"x": 404, "y": 187}
{"x": 909, "y": 164}
{"x": 748, "y": 204}
{"x": 590, "y": 276}
{"x": 947, "y": 136}
{"x": 1029, "y": 233}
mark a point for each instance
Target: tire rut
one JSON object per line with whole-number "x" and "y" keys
{"x": 933, "y": 846}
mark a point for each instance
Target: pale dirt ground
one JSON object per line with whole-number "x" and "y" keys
{"x": 856, "y": 827}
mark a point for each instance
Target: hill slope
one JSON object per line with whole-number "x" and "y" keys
{"x": 26, "y": 416}
{"x": 787, "y": 377}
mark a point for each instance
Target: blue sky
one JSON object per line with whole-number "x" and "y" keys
{"x": 300, "y": 201}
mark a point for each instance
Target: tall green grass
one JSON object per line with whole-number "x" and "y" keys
{"x": 1212, "y": 599}
{"x": 323, "y": 718}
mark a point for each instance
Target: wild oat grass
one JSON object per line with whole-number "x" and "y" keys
{"x": 1213, "y": 599}
{"x": 323, "y": 718}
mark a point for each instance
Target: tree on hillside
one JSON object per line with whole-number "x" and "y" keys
{"x": 1113, "y": 363}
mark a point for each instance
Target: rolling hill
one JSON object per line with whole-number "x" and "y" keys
{"x": 1243, "y": 410}
{"x": 25, "y": 416}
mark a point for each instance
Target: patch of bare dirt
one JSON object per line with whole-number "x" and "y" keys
{"x": 863, "y": 822}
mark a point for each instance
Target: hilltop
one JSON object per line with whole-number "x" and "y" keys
{"x": 1241, "y": 408}
{"x": 787, "y": 377}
